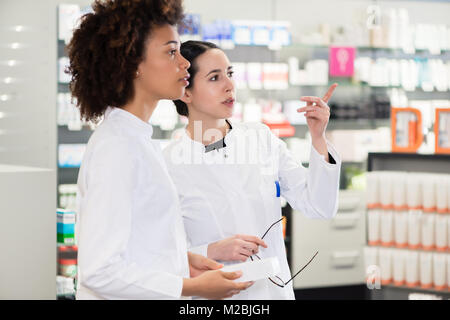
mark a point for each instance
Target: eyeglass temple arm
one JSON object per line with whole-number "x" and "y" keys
{"x": 271, "y": 228}
{"x": 302, "y": 268}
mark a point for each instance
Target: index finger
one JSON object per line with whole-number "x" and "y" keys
{"x": 254, "y": 239}
{"x": 329, "y": 93}
{"x": 243, "y": 285}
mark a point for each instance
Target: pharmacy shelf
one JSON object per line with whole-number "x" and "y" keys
{"x": 409, "y": 162}
{"x": 349, "y": 83}
{"x": 68, "y": 175}
{"x": 66, "y": 136}
{"x": 366, "y": 48}
{"x": 392, "y": 292}
{"x": 414, "y": 162}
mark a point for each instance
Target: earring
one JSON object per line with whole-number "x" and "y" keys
{"x": 137, "y": 74}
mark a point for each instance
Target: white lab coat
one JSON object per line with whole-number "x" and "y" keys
{"x": 233, "y": 191}
{"x": 131, "y": 240}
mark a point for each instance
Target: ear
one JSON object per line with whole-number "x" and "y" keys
{"x": 187, "y": 97}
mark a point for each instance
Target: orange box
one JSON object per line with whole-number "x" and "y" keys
{"x": 414, "y": 134}
{"x": 439, "y": 149}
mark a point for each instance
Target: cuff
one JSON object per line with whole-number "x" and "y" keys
{"x": 334, "y": 158}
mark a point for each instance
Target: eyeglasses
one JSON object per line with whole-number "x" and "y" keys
{"x": 277, "y": 280}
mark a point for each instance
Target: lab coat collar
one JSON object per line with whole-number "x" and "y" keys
{"x": 143, "y": 127}
{"x": 200, "y": 147}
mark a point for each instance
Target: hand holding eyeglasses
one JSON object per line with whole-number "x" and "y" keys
{"x": 277, "y": 280}
{"x": 236, "y": 248}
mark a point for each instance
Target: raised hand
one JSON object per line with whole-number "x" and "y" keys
{"x": 317, "y": 112}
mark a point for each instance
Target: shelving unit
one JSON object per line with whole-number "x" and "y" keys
{"x": 427, "y": 163}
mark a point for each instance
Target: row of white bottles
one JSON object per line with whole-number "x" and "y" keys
{"x": 411, "y": 268}
{"x": 408, "y": 191}
{"x": 413, "y": 229}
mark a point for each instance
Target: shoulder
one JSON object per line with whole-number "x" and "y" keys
{"x": 250, "y": 126}
{"x": 174, "y": 146}
{"x": 108, "y": 141}
{"x": 256, "y": 129}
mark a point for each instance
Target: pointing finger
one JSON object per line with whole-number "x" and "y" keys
{"x": 306, "y": 109}
{"x": 317, "y": 100}
{"x": 329, "y": 93}
{"x": 254, "y": 239}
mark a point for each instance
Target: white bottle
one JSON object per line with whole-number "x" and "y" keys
{"x": 412, "y": 268}
{"x": 441, "y": 237}
{"x": 373, "y": 218}
{"x": 426, "y": 270}
{"x": 385, "y": 259}
{"x": 399, "y": 267}
{"x": 427, "y": 231}
{"x": 401, "y": 228}
{"x": 387, "y": 228}
{"x": 439, "y": 271}
{"x": 414, "y": 219}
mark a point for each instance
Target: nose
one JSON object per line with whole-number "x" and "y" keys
{"x": 229, "y": 84}
{"x": 184, "y": 63}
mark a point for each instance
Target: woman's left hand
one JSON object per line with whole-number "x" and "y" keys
{"x": 199, "y": 264}
{"x": 317, "y": 113}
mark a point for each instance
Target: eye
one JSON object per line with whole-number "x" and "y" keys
{"x": 214, "y": 78}
{"x": 230, "y": 74}
{"x": 172, "y": 52}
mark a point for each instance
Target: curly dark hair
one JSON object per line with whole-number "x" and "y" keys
{"x": 107, "y": 48}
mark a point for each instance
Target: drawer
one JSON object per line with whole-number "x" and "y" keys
{"x": 331, "y": 267}
{"x": 345, "y": 229}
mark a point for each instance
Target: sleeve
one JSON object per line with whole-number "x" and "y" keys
{"x": 194, "y": 206}
{"x": 105, "y": 218}
{"x": 201, "y": 250}
{"x": 313, "y": 191}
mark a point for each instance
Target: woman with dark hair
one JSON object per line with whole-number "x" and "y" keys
{"x": 124, "y": 58}
{"x": 230, "y": 176}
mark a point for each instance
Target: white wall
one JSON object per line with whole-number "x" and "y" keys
{"x": 27, "y": 128}
{"x": 27, "y": 233}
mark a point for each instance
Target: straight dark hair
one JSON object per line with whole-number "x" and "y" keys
{"x": 191, "y": 50}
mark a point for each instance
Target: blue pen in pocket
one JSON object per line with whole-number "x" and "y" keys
{"x": 277, "y": 184}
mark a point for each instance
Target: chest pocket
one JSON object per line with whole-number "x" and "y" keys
{"x": 270, "y": 193}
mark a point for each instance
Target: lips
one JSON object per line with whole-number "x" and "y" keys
{"x": 185, "y": 79}
{"x": 229, "y": 102}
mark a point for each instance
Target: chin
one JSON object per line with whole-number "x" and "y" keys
{"x": 175, "y": 95}
{"x": 228, "y": 114}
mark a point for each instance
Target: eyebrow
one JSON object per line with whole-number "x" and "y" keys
{"x": 218, "y": 70}
{"x": 170, "y": 42}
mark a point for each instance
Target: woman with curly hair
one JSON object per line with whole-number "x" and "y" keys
{"x": 124, "y": 58}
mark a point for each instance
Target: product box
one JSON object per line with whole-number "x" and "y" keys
{"x": 190, "y": 28}
{"x": 65, "y": 226}
{"x": 342, "y": 60}
{"x": 70, "y": 155}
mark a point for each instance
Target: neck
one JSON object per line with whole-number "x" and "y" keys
{"x": 142, "y": 107}
{"x": 205, "y": 129}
